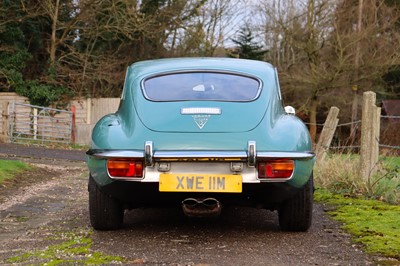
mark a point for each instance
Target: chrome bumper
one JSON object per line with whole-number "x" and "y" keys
{"x": 193, "y": 161}
{"x": 250, "y": 156}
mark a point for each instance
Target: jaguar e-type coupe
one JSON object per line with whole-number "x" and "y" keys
{"x": 203, "y": 134}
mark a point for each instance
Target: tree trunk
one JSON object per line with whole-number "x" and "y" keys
{"x": 354, "y": 109}
{"x": 313, "y": 118}
{"x": 53, "y": 43}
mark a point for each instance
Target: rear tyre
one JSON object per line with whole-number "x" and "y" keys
{"x": 106, "y": 213}
{"x": 295, "y": 214}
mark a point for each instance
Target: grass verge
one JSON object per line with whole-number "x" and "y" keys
{"x": 339, "y": 174}
{"x": 53, "y": 145}
{"x": 10, "y": 168}
{"x": 369, "y": 209}
{"x": 373, "y": 223}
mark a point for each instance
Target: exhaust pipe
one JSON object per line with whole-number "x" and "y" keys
{"x": 208, "y": 207}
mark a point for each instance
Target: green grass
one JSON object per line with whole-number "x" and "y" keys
{"x": 10, "y": 168}
{"x": 53, "y": 145}
{"x": 390, "y": 162}
{"x": 373, "y": 223}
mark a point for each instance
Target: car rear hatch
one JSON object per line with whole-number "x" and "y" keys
{"x": 201, "y": 102}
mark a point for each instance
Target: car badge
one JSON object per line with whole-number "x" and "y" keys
{"x": 201, "y": 120}
{"x": 201, "y": 114}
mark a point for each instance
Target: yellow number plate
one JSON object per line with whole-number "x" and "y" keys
{"x": 200, "y": 183}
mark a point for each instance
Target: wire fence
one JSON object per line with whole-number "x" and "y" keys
{"x": 389, "y": 135}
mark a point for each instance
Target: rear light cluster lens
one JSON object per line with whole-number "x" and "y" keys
{"x": 275, "y": 169}
{"x": 125, "y": 168}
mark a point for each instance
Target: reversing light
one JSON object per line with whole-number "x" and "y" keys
{"x": 275, "y": 169}
{"x": 125, "y": 168}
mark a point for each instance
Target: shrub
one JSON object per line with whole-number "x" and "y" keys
{"x": 43, "y": 94}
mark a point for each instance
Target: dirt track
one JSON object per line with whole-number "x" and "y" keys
{"x": 41, "y": 218}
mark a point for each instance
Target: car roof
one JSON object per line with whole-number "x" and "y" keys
{"x": 205, "y": 63}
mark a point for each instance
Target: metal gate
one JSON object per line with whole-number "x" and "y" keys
{"x": 30, "y": 123}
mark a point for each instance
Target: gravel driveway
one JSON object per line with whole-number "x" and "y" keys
{"x": 52, "y": 211}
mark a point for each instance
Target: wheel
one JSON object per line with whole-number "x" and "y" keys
{"x": 295, "y": 214}
{"x": 106, "y": 213}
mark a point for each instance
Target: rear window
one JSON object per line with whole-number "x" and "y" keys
{"x": 197, "y": 86}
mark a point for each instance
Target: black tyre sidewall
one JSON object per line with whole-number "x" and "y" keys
{"x": 105, "y": 212}
{"x": 295, "y": 214}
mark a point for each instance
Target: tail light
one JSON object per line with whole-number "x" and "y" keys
{"x": 125, "y": 168}
{"x": 275, "y": 169}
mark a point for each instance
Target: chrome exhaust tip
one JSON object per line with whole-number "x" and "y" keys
{"x": 208, "y": 207}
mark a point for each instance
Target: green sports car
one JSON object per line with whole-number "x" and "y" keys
{"x": 201, "y": 133}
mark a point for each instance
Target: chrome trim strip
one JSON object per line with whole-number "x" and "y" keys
{"x": 115, "y": 153}
{"x": 286, "y": 155}
{"x": 275, "y": 180}
{"x": 137, "y": 179}
{"x": 201, "y": 110}
{"x": 200, "y": 70}
{"x": 199, "y": 154}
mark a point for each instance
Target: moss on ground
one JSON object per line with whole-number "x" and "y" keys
{"x": 374, "y": 224}
{"x": 75, "y": 248}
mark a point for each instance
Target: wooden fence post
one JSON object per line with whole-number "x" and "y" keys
{"x": 4, "y": 123}
{"x": 370, "y": 127}
{"x": 327, "y": 133}
{"x": 73, "y": 125}
{"x": 89, "y": 111}
{"x": 35, "y": 123}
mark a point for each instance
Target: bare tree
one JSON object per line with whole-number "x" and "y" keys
{"x": 299, "y": 39}
{"x": 216, "y": 23}
{"x": 93, "y": 46}
{"x": 320, "y": 49}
